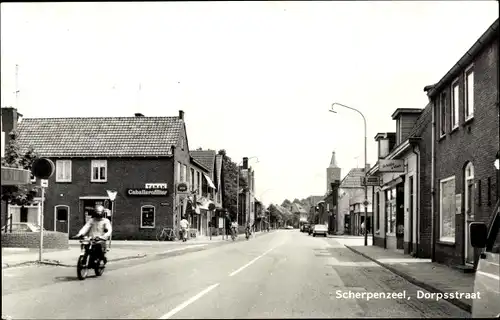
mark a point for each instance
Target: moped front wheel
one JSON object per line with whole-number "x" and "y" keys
{"x": 81, "y": 268}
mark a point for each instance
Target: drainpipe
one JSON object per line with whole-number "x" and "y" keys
{"x": 417, "y": 202}
{"x": 174, "y": 194}
{"x": 433, "y": 188}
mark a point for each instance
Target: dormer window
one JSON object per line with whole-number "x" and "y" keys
{"x": 383, "y": 148}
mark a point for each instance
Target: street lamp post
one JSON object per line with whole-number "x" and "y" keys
{"x": 238, "y": 187}
{"x": 365, "y": 203}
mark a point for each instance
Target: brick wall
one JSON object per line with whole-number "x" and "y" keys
{"x": 425, "y": 218}
{"x": 51, "y": 240}
{"x": 123, "y": 173}
{"x": 475, "y": 141}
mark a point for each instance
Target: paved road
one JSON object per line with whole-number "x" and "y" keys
{"x": 280, "y": 275}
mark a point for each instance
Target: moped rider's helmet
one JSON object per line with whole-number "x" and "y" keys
{"x": 99, "y": 211}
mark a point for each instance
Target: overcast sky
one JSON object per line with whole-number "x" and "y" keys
{"x": 254, "y": 78}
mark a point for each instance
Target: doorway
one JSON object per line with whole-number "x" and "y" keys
{"x": 61, "y": 218}
{"x": 23, "y": 214}
{"x": 410, "y": 215}
{"x": 400, "y": 216}
{"x": 469, "y": 212}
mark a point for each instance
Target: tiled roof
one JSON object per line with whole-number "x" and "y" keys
{"x": 353, "y": 178}
{"x": 100, "y": 137}
{"x": 298, "y": 208}
{"x": 423, "y": 120}
{"x": 206, "y": 158}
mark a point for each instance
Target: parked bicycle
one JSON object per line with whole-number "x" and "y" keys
{"x": 166, "y": 234}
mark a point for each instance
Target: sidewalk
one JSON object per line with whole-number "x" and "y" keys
{"x": 69, "y": 257}
{"x": 120, "y": 250}
{"x": 430, "y": 276}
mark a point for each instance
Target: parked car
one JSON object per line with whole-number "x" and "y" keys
{"x": 305, "y": 228}
{"x": 320, "y": 229}
{"x": 22, "y": 227}
{"x": 487, "y": 276}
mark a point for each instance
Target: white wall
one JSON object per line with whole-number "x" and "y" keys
{"x": 411, "y": 163}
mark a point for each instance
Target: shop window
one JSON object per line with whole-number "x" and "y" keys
{"x": 148, "y": 216}
{"x": 99, "y": 171}
{"x": 447, "y": 209}
{"x": 390, "y": 211}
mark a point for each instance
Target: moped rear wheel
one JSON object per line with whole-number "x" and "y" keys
{"x": 81, "y": 268}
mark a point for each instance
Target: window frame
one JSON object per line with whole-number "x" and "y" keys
{"x": 154, "y": 216}
{"x": 442, "y": 114}
{"x": 467, "y": 108}
{"x": 469, "y": 198}
{"x": 450, "y": 240}
{"x": 63, "y": 168}
{"x": 455, "y": 105}
{"x": 178, "y": 175}
{"x": 95, "y": 164}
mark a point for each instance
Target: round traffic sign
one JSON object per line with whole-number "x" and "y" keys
{"x": 365, "y": 203}
{"x": 43, "y": 168}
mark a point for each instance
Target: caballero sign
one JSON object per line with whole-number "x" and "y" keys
{"x": 182, "y": 187}
{"x": 143, "y": 192}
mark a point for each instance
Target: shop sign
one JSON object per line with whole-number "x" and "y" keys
{"x": 391, "y": 165}
{"x": 370, "y": 181}
{"x": 143, "y": 192}
{"x": 156, "y": 186}
{"x": 182, "y": 187}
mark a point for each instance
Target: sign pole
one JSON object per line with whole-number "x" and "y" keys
{"x": 112, "y": 197}
{"x": 111, "y": 221}
{"x": 41, "y": 225}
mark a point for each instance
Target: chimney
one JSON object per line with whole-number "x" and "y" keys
{"x": 181, "y": 114}
{"x": 245, "y": 162}
{"x": 138, "y": 114}
{"x": 10, "y": 119}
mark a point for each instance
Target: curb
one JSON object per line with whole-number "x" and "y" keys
{"x": 462, "y": 305}
{"x": 59, "y": 264}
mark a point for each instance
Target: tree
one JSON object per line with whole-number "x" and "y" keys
{"x": 229, "y": 193}
{"x": 14, "y": 158}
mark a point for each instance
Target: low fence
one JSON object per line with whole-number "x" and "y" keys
{"x": 51, "y": 240}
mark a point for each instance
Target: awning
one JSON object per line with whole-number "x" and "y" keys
{"x": 210, "y": 183}
{"x": 392, "y": 183}
{"x": 203, "y": 204}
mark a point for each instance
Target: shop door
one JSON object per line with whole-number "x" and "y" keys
{"x": 61, "y": 219}
{"x": 410, "y": 215}
{"x": 347, "y": 224}
{"x": 400, "y": 216}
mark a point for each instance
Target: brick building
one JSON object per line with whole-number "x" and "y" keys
{"x": 214, "y": 163}
{"x": 465, "y": 143}
{"x": 143, "y": 159}
{"x": 351, "y": 212}
{"x": 402, "y": 213}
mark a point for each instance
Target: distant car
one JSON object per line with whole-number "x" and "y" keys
{"x": 320, "y": 229}
{"x": 289, "y": 227}
{"x": 487, "y": 276}
{"x": 22, "y": 227}
{"x": 305, "y": 228}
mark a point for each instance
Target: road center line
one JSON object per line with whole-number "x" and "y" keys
{"x": 188, "y": 302}
{"x": 248, "y": 264}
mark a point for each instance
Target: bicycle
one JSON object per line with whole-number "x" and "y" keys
{"x": 166, "y": 233}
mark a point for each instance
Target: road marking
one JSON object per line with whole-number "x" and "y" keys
{"x": 188, "y": 302}
{"x": 248, "y": 264}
